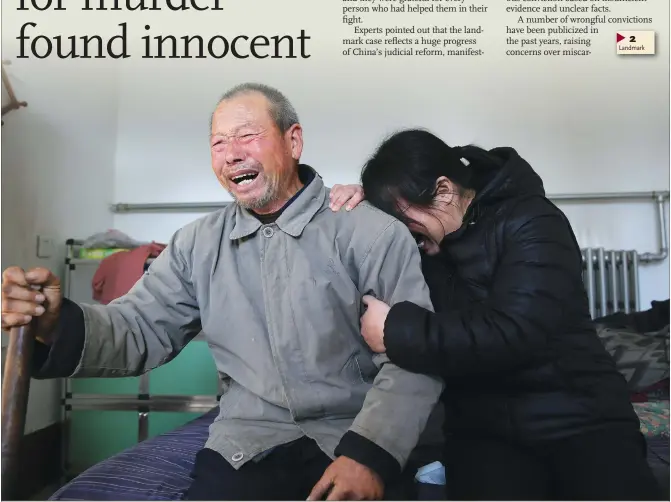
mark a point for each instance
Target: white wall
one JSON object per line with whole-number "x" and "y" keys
{"x": 57, "y": 173}
{"x": 595, "y": 124}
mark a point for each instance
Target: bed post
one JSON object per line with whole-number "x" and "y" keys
{"x": 15, "y": 387}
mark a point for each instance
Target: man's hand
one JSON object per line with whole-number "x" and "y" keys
{"x": 25, "y": 295}
{"x": 346, "y": 479}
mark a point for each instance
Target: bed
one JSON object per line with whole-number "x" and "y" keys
{"x": 156, "y": 469}
{"x": 654, "y": 417}
{"x": 159, "y": 468}
{"x": 658, "y": 458}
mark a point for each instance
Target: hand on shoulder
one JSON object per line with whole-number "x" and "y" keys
{"x": 345, "y": 195}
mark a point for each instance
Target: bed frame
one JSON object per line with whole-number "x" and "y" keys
{"x": 142, "y": 406}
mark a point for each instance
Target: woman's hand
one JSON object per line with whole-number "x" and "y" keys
{"x": 345, "y": 194}
{"x": 372, "y": 323}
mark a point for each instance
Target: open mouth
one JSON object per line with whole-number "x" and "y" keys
{"x": 243, "y": 179}
{"x": 420, "y": 240}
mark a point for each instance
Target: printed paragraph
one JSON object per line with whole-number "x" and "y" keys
{"x": 564, "y": 27}
{"x": 422, "y": 28}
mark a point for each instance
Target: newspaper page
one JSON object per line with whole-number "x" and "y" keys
{"x": 120, "y": 130}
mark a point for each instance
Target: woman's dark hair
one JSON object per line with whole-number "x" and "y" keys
{"x": 407, "y": 165}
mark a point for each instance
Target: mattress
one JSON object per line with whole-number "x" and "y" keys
{"x": 159, "y": 468}
{"x": 658, "y": 458}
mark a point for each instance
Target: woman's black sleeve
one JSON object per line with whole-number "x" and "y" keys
{"x": 537, "y": 282}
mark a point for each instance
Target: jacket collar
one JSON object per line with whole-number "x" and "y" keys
{"x": 293, "y": 219}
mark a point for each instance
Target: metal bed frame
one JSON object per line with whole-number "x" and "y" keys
{"x": 144, "y": 403}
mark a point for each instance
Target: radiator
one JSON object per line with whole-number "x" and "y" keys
{"x": 611, "y": 281}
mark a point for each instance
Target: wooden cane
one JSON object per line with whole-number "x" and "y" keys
{"x": 15, "y": 387}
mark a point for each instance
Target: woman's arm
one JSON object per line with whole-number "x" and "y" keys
{"x": 537, "y": 287}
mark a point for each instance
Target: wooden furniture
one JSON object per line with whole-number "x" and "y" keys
{"x": 15, "y": 388}
{"x": 13, "y": 104}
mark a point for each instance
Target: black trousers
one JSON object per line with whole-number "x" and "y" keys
{"x": 288, "y": 473}
{"x": 601, "y": 465}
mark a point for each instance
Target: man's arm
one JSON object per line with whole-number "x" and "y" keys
{"x": 396, "y": 409}
{"x": 136, "y": 333}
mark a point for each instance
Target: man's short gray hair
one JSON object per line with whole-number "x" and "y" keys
{"x": 281, "y": 110}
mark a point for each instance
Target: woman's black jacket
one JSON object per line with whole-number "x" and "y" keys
{"x": 512, "y": 334}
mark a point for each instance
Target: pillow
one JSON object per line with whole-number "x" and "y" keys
{"x": 643, "y": 358}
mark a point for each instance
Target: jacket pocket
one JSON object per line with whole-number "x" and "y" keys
{"x": 230, "y": 398}
{"x": 359, "y": 369}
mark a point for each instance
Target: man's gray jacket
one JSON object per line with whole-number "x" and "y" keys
{"x": 280, "y": 307}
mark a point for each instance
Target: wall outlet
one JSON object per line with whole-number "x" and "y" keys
{"x": 45, "y": 246}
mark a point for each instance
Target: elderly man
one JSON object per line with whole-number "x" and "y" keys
{"x": 275, "y": 282}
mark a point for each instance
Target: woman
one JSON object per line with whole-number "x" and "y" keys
{"x": 535, "y": 408}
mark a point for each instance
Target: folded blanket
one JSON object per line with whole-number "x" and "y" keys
{"x": 654, "y": 417}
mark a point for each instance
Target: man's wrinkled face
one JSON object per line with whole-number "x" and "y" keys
{"x": 251, "y": 158}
